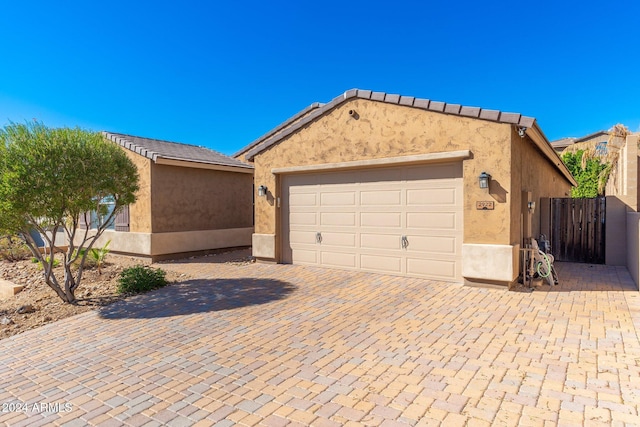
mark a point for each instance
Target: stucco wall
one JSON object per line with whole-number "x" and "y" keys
{"x": 189, "y": 199}
{"x": 140, "y": 211}
{"x": 385, "y": 130}
{"x": 531, "y": 172}
{"x": 633, "y": 246}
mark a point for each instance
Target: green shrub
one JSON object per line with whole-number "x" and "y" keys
{"x": 56, "y": 262}
{"x": 141, "y": 278}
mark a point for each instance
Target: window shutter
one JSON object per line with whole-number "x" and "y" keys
{"x": 82, "y": 220}
{"x": 122, "y": 219}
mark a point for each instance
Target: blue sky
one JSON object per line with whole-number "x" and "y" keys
{"x": 221, "y": 74}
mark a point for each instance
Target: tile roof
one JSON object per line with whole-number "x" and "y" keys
{"x": 563, "y": 142}
{"x": 155, "y": 148}
{"x": 294, "y": 124}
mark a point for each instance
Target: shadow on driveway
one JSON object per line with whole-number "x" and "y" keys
{"x": 199, "y": 296}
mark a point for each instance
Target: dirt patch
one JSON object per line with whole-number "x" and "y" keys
{"x": 41, "y": 305}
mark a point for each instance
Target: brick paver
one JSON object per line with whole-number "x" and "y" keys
{"x": 275, "y": 345}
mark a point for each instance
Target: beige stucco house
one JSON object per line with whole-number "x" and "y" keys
{"x": 387, "y": 183}
{"x": 191, "y": 200}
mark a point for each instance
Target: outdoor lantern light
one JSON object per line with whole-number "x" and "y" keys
{"x": 262, "y": 191}
{"x": 484, "y": 179}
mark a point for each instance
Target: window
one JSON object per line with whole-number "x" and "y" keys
{"x": 106, "y": 208}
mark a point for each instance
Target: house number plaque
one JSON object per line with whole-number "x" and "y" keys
{"x": 484, "y": 206}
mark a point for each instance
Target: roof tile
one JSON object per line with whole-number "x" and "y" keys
{"x": 364, "y": 94}
{"x": 351, "y": 93}
{"x": 470, "y": 111}
{"x": 452, "y": 108}
{"x": 493, "y": 115}
{"x": 421, "y": 103}
{"x": 510, "y": 118}
{"x": 408, "y": 100}
{"x": 392, "y": 98}
{"x": 436, "y": 106}
{"x": 377, "y": 96}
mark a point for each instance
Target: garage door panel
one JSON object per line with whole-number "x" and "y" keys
{"x": 338, "y": 259}
{"x": 344, "y": 219}
{"x": 441, "y": 269}
{"x": 303, "y": 200}
{"x": 303, "y": 218}
{"x": 387, "y": 264}
{"x": 298, "y": 237}
{"x": 432, "y": 220}
{"x": 381, "y": 198}
{"x": 347, "y": 240}
{"x": 305, "y": 256}
{"x": 347, "y": 198}
{"x": 381, "y": 219}
{"x": 431, "y": 196}
{"x": 433, "y": 244}
{"x": 379, "y": 241}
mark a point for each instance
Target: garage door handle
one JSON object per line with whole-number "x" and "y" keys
{"x": 405, "y": 242}
{"x": 318, "y": 237}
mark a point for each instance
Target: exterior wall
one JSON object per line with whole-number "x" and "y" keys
{"x": 531, "y": 173}
{"x": 190, "y": 199}
{"x": 154, "y": 245}
{"x": 622, "y": 198}
{"x": 140, "y": 211}
{"x": 633, "y": 246}
{"x": 384, "y": 130}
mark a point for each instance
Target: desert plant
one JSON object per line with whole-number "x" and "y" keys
{"x": 49, "y": 180}
{"x": 46, "y": 261}
{"x": 12, "y": 248}
{"x": 141, "y": 278}
{"x": 99, "y": 255}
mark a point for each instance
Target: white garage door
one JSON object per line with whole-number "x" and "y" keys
{"x": 405, "y": 220}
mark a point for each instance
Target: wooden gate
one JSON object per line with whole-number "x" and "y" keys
{"x": 578, "y": 229}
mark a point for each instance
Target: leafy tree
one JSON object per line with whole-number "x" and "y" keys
{"x": 49, "y": 178}
{"x": 590, "y": 174}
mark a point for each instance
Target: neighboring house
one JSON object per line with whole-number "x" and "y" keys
{"x": 387, "y": 183}
{"x": 191, "y": 200}
{"x": 600, "y": 137}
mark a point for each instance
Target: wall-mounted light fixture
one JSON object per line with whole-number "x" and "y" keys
{"x": 262, "y": 191}
{"x": 483, "y": 180}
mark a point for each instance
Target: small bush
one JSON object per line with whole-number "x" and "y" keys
{"x": 56, "y": 262}
{"x": 12, "y": 248}
{"x": 141, "y": 278}
{"x": 89, "y": 262}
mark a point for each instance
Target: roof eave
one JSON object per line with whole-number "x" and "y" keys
{"x": 538, "y": 137}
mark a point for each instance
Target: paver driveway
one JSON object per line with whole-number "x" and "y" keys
{"x": 278, "y": 345}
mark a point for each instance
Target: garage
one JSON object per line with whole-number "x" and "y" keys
{"x": 394, "y": 184}
{"x": 402, "y": 220}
